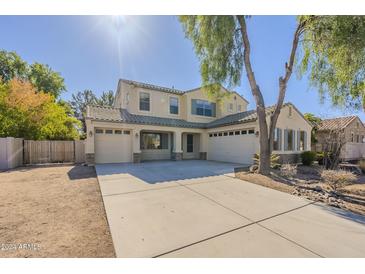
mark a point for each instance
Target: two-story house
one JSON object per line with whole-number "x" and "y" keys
{"x": 150, "y": 122}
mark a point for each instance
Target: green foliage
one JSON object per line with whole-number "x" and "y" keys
{"x": 219, "y": 47}
{"x": 274, "y": 160}
{"x": 12, "y": 66}
{"x": 106, "y": 99}
{"x": 308, "y": 157}
{"x": 29, "y": 114}
{"x": 320, "y": 158}
{"x": 315, "y": 121}
{"x": 80, "y": 100}
{"x": 333, "y": 56}
{"x": 43, "y": 78}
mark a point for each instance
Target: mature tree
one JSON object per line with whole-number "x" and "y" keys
{"x": 106, "y": 99}
{"x": 28, "y": 113}
{"x": 12, "y": 66}
{"x": 223, "y": 46}
{"x": 43, "y": 78}
{"x": 80, "y": 100}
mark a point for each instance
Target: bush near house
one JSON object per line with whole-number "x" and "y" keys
{"x": 308, "y": 158}
{"x": 338, "y": 178}
{"x": 274, "y": 160}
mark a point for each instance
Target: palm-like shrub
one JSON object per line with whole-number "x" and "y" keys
{"x": 274, "y": 160}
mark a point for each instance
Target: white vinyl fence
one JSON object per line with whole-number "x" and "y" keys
{"x": 353, "y": 151}
{"x": 15, "y": 152}
{"x": 11, "y": 152}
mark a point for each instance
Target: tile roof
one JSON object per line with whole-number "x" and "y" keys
{"x": 336, "y": 123}
{"x": 122, "y": 115}
{"x": 150, "y": 86}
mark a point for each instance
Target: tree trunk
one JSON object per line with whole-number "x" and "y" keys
{"x": 267, "y": 134}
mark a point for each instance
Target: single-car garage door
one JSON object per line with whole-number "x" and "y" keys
{"x": 237, "y": 146}
{"x": 113, "y": 146}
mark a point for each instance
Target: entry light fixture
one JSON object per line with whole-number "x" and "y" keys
{"x": 90, "y": 133}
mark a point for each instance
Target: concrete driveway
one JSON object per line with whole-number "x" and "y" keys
{"x": 198, "y": 209}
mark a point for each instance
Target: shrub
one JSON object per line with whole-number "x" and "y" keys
{"x": 362, "y": 165}
{"x": 338, "y": 178}
{"x": 274, "y": 160}
{"x": 308, "y": 157}
{"x": 320, "y": 157}
{"x": 288, "y": 170}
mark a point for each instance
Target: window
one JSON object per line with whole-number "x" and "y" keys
{"x": 220, "y": 134}
{"x": 225, "y": 133}
{"x": 244, "y": 132}
{"x": 151, "y": 140}
{"x": 144, "y": 101}
{"x": 117, "y": 131}
{"x": 215, "y": 134}
{"x": 237, "y": 133}
{"x": 99, "y": 131}
{"x": 108, "y": 131}
{"x": 352, "y": 137}
{"x": 230, "y": 133}
{"x": 202, "y": 108}
{"x": 289, "y": 139}
{"x": 302, "y": 140}
{"x": 239, "y": 108}
{"x": 210, "y": 135}
{"x": 277, "y": 139}
{"x": 251, "y": 131}
{"x": 357, "y": 139}
{"x": 190, "y": 143}
{"x": 126, "y": 132}
{"x": 290, "y": 111}
{"x": 174, "y": 105}
{"x": 230, "y": 107}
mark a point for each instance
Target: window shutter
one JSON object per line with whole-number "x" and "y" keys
{"x": 298, "y": 140}
{"x": 193, "y": 106}
{"x": 213, "y": 109}
{"x": 285, "y": 139}
{"x": 280, "y": 133}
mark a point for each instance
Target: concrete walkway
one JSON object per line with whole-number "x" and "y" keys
{"x": 198, "y": 209}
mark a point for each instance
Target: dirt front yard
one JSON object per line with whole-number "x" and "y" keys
{"x": 54, "y": 211}
{"x": 307, "y": 183}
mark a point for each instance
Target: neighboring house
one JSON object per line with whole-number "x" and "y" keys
{"x": 149, "y": 122}
{"x": 347, "y": 131}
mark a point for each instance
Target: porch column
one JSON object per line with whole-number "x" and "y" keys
{"x": 176, "y": 150}
{"x": 203, "y": 146}
{"x": 89, "y": 143}
{"x": 136, "y": 145}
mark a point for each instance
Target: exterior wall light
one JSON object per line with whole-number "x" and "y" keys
{"x": 257, "y": 134}
{"x": 137, "y": 135}
{"x": 90, "y": 133}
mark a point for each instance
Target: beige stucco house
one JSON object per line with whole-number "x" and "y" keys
{"x": 149, "y": 122}
{"x": 349, "y": 132}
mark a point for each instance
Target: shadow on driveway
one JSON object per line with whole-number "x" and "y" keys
{"x": 165, "y": 171}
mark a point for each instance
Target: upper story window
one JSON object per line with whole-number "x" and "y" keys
{"x": 230, "y": 107}
{"x": 174, "y": 105}
{"x": 203, "y": 108}
{"x": 144, "y": 101}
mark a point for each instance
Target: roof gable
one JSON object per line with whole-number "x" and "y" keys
{"x": 337, "y": 123}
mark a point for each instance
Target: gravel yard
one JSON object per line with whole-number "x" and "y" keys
{"x": 53, "y": 211}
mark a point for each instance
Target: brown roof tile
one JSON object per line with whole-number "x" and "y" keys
{"x": 336, "y": 123}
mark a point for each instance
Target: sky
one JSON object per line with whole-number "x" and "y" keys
{"x": 93, "y": 52}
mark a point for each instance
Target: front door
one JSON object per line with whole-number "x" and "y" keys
{"x": 190, "y": 143}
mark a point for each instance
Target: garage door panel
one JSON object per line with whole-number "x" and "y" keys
{"x": 234, "y": 149}
{"x": 113, "y": 148}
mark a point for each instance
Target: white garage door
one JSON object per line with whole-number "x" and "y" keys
{"x": 113, "y": 146}
{"x": 237, "y": 146}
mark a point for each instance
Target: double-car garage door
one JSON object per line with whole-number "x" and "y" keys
{"x": 236, "y": 146}
{"x": 113, "y": 145}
